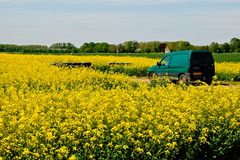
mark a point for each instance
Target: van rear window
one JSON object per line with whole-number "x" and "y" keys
{"x": 201, "y": 58}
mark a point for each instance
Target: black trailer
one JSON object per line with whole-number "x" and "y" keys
{"x": 72, "y": 64}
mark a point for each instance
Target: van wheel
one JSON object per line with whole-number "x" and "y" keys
{"x": 208, "y": 81}
{"x": 152, "y": 75}
{"x": 182, "y": 79}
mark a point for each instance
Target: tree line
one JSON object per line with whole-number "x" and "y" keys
{"x": 125, "y": 47}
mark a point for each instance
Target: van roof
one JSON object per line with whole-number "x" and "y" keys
{"x": 189, "y": 52}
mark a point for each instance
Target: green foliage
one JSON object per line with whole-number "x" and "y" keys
{"x": 227, "y": 57}
{"x": 112, "y": 48}
{"x": 87, "y": 47}
{"x": 225, "y": 47}
{"x": 214, "y": 47}
{"x": 235, "y": 45}
{"x": 223, "y": 76}
{"x": 130, "y": 46}
{"x": 96, "y": 47}
{"x": 126, "y": 47}
{"x": 184, "y": 45}
{"x": 151, "y": 47}
{"x": 23, "y": 48}
{"x": 130, "y": 71}
{"x": 63, "y": 46}
{"x": 155, "y": 82}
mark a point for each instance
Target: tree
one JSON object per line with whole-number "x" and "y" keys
{"x": 201, "y": 48}
{"x": 101, "y": 47}
{"x": 120, "y": 48}
{"x": 235, "y": 45}
{"x": 172, "y": 46}
{"x": 183, "y": 45}
{"x": 154, "y": 46}
{"x": 83, "y": 47}
{"x": 225, "y": 47}
{"x": 67, "y": 47}
{"x": 34, "y": 49}
{"x": 143, "y": 47}
{"x": 214, "y": 47}
{"x": 87, "y": 47}
{"x": 130, "y": 46}
{"x": 112, "y": 48}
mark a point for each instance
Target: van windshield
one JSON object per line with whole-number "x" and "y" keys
{"x": 201, "y": 58}
{"x": 166, "y": 60}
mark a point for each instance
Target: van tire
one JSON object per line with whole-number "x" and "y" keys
{"x": 152, "y": 75}
{"x": 182, "y": 79}
{"x": 208, "y": 81}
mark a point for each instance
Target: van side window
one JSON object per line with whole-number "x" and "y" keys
{"x": 165, "y": 60}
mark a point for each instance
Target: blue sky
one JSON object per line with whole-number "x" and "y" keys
{"x": 114, "y": 21}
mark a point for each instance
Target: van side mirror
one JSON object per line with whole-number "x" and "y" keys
{"x": 158, "y": 64}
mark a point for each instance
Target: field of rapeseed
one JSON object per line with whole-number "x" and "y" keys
{"x": 228, "y": 71}
{"x": 48, "y": 112}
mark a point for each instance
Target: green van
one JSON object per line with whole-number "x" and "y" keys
{"x": 185, "y": 66}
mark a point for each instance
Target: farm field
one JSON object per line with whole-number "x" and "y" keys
{"x": 226, "y": 70}
{"x": 218, "y": 57}
{"x": 105, "y": 112}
